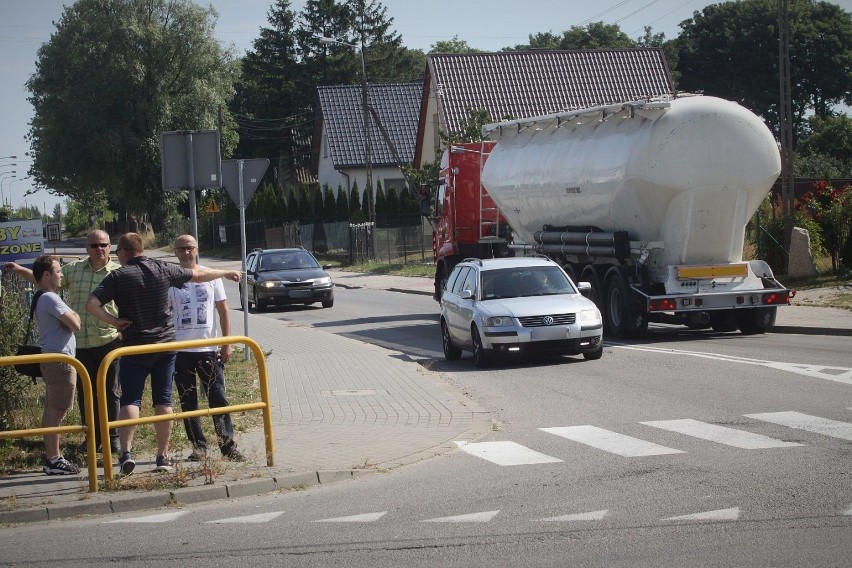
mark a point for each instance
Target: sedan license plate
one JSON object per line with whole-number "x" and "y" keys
{"x": 301, "y": 293}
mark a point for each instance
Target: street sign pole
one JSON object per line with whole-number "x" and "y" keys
{"x": 242, "y": 206}
{"x": 193, "y": 215}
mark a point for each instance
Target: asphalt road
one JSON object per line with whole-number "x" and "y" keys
{"x": 682, "y": 449}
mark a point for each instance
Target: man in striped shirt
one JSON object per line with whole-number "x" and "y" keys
{"x": 95, "y": 338}
{"x": 140, "y": 290}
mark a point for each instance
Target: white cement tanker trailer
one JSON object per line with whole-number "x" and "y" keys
{"x": 646, "y": 200}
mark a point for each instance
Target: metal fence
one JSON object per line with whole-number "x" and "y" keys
{"x": 399, "y": 239}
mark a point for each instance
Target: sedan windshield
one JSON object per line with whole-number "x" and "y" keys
{"x": 294, "y": 260}
{"x": 524, "y": 282}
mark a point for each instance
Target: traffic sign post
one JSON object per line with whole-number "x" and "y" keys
{"x": 190, "y": 160}
{"x": 241, "y": 178}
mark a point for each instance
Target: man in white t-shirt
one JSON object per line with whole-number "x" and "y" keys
{"x": 193, "y": 307}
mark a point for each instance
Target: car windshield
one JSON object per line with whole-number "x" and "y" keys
{"x": 524, "y": 282}
{"x": 294, "y": 260}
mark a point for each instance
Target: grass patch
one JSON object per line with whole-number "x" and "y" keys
{"x": 426, "y": 270}
{"x": 241, "y": 380}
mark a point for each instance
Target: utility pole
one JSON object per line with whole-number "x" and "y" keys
{"x": 785, "y": 130}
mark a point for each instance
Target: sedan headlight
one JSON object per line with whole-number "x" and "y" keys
{"x": 268, "y": 283}
{"x": 589, "y": 318}
{"x": 499, "y": 321}
{"x": 324, "y": 281}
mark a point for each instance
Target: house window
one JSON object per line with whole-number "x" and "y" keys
{"x": 397, "y": 183}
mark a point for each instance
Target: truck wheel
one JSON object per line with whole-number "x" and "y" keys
{"x": 481, "y": 356}
{"x": 590, "y": 275}
{"x": 723, "y": 320}
{"x": 624, "y": 318}
{"x": 697, "y": 320}
{"x": 756, "y": 320}
{"x": 616, "y": 308}
{"x": 451, "y": 352}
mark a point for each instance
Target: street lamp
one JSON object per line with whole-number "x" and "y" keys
{"x": 4, "y": 177}
{"x": 365, "y": 105}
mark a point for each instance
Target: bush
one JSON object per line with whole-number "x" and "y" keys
{"x": 16, "y": 391}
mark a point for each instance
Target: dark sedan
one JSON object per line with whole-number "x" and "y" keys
{"x": 285, "y": 277}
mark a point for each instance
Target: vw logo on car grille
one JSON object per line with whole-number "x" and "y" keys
{"x": 548, "y": 320}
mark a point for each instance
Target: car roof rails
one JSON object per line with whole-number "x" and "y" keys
{"x": 473, "y": 259}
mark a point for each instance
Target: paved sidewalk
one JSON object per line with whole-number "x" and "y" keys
{"x": 341, "y": 408}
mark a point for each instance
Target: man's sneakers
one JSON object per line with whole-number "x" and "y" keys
{"x": 165, "y": 464}
{"x": 60, "y": 466}
{"x": 197, "y": 455}
{"x": 126, "y": 463}
{"x": 235, "y": 456}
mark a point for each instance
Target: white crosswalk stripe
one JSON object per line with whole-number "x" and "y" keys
{"x": 482, "y": 517}
{"x": 731, "y": 514}
{"x": 824, "y": 426}
{"x": 161, "y": 518}
{"x": 362, "y": 518}
{"x": 720, "y": 434}
{"x": 612, "y": 442}
{"x": 259, "y": 518}
{"x": 505, "y": 453}
{"x": 589, "y": 516}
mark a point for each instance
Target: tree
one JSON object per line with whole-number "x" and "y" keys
{"x": 596, "y": 35}
{"x": 269, "y": 98}
{"x": 112, "y": 77}
{"x": 454, "y": 45}
{"x": 730, "y": 50}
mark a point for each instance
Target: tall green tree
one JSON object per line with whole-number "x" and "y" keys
{"x": 269, "y": 103}
{"x": 730, "y": 50}
{"x": 596, "y": 35}
{"x": 112, "y": 77}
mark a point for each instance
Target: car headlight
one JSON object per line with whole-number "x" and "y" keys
{"x": 268, "y": 284}
{"x": 499, "y": 321}
{"x": 589, "y": 318}
{"x": 324, "y": 281}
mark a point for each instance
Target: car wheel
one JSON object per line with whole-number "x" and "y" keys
{"x": 596, "y": 354}
{"x": 451, "y": 352}
{"x": 481, "y": 356}
{"x": 259, "y": 305}
{"x": 328, "y": 303}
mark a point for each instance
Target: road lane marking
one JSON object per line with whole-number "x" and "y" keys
{"x": 731, "y": 514}
{"x": 720, "y": 434}
{"x": 505, "y": 453}
{"x": 259, "y": 518}
{"x": 824, "y": 426}
{"x": 162, "y": 518}
{"x": 589, "y": 516}
{"x": 363, "y": 518}
{"x": 612, "y": 442}
{"x": 482, "y": 517}
{"x": 837, "y": 374}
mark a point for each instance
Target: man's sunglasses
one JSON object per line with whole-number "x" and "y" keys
{"x": 98, "y": 245}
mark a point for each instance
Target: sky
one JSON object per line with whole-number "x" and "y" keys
{"x": 483, "y": 24}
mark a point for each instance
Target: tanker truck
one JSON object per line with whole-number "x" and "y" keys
{"x": 646, "y": 200}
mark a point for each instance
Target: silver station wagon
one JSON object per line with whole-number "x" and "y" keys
{"x": 517, "y": 305}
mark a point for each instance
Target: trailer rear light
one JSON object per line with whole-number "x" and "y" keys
{"x": 776, "y": 298}
{"x": 662, "y": 305}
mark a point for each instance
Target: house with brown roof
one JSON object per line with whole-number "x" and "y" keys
{"x": 524, "y": 84}
{"x": 339, "y": 156}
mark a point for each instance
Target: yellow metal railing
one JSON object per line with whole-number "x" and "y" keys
{"x": 87, "y": 410}
{"x": 106, "y": 425}
{"x": 263, "y": 379}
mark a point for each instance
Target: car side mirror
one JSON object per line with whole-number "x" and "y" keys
{"x": 584, "y": 288}
{"x": 327, "y": 266}
{"x": 466, "y": 295}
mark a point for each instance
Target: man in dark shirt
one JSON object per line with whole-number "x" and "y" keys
{"x": 140, "y": 290}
